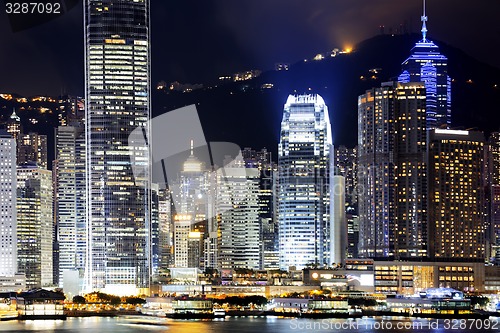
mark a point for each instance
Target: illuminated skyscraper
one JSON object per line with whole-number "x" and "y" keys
{"x": 305, "y": 152}
{"x": 426, "y": 64}
{"x": 376, "y": 172}
{"x": 261, "y": 160}
{"x": 8, "y": 215}
{"x": 392, "y": 172}
{"x": 117, "y": 97}
{"x": 32, "y": 147}
{"x": 71, "y": 230}
{"x": 237, "y": 207}
{"x": 35, "y": 225}
{"x": 456, "y": 211}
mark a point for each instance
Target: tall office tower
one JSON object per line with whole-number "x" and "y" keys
{"x": 69, "y": 198}
{"x": 267, "y": 203}
{"x": 426, "y": 64}
{"x": 392, "y": 171}
{"x": 376, "y": 172}
{"x": 14, "y": 126}
{"x": 456, "y": 223}
{"x": 117, "y": 97}
{"x": 493, "y": 190}
{"x": 32, "y": 147}
{"x": 34, "y": 225}
{"x": 305, "y": 155}
{"x": 410, "y": 136}
{"x": 346, "y": 165}
{"x": 237, "y": 207}
{"x": 8, "y": 214}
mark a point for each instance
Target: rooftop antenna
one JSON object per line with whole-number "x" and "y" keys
{"x": 424, "y": 26}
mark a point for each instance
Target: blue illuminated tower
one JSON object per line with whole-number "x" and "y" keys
{"x": 426, "y": 64}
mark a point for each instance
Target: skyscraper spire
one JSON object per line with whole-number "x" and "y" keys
{"x": 192, "y": 147}
{"x": 424, "y": 26}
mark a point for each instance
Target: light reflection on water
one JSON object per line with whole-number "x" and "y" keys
{"x": 238, "y": 325}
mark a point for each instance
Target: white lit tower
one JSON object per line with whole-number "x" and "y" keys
{"x": 304, "y": 153}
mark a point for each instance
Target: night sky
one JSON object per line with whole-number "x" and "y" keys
{"x": 196, "y": 41}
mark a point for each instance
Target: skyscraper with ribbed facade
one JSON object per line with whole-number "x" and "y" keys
{"x": 305, "y": 152}
{"x": 117, "y": 67}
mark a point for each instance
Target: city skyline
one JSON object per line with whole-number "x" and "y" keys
{"x": 416, "y": 199}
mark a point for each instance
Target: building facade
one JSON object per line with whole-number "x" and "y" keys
{"x": 456, "y": 206}
{"x": 8, "y": 212}
{"x": 69, "y": 199}
{"x": 117, "y": 97}
{"x": 35, "y": 225}
{"x": 392, "y": 171}
{"x": 237, "y": 207}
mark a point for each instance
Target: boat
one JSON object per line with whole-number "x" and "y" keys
{"x": 145, "y": 320}
{"x": 219, "y": 313}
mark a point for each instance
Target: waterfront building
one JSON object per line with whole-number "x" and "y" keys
{"x": 456, "y": 198}
{"x": 392, "y": 172}
{"x": 117, "y": 101}
{"x": 305, "y": 158}
{"x": 411, "y": 277}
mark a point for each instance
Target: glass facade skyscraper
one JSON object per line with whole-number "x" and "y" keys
{"x": 304, "y": 153}
{"x": 117, "y": 102}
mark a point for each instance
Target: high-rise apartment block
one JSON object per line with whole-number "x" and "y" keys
{"x": 456, "y": 206}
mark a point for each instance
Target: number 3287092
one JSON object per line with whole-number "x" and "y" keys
{"x": 32, "y": 8}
